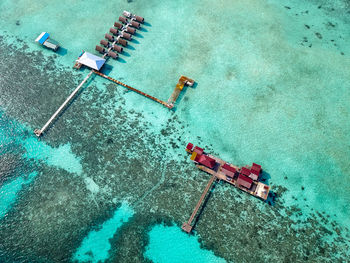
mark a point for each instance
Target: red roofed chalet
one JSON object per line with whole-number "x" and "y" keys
{"x": 189, "y": 147}
{"x": 256, "y": 169}
{"x": 228, "y": 170}
{"x": 198, "y": 150}
{"x": 245, "y": 171}
{"x": 206, "y": 161}
{"x": 244, "y": 181}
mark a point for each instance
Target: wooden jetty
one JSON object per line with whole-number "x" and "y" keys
{"x": 44, "y": 36}
{"x": 187, "y": 226}
{"x": 245, "y": 178}
{"x": 39, "y": 132}
{"x": 179, "y": 87}
{"x": 133, "y": 89}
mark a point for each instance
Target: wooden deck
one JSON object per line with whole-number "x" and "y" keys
{"x": 179, "y": 87}
{"x": 187, "y": 226}
{"x": 77, "y": 65}
{"x": 256, "y": 189}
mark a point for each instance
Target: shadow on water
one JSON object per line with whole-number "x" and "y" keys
{"x": 62, "y": 51}
{"x": 86, "y": 84}
{"x": 271, "y": 198}
{"x": 106, "y": 69}
{"x": 121, "y": 60}
{"x": 125, "y": 53}
{"x": 129, "y": 47}
{"x": 142, "y": 29}
{"x": 133, "y": 40}
{"x": 138, "y": 35}
{"x": 204, "y": 205}
{"x": 265, "y": 177}
{"x": 147, "y": 24}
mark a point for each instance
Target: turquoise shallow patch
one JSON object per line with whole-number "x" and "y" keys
{"x": 61, "y": 157}
{"x": 9, "y": 191}
{"x": 171, "y": 245}
{"x": 95, "y": 246}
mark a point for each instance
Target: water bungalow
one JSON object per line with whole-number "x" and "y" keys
{"x": 95, "y": 63}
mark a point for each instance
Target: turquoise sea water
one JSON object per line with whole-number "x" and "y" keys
{"x": 272, "y": 88}
{"x": 96, "y": 245}
{"x": 10, "y": 191}
{"x": 170, "y": 244}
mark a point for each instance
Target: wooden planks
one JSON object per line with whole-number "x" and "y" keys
{"x": 187, "y": 225}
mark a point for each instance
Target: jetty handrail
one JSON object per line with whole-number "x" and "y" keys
{"x": 133, "y": 89}
{"x": 39, "y": 132}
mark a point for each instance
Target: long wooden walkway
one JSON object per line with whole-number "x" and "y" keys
{"x": 133, "y": 89}
{"x": 39, "y": 132}
{"x": 187, "y": 227}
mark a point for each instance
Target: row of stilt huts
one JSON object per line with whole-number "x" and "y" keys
{"x": 120, "y": 34}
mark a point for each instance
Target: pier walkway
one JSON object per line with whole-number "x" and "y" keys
{"x": 187, "y": 227}
{"x": 39, "y": 132}
{"x": 133, "y": 89}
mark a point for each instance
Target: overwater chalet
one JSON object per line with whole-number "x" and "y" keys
{"x": 228, "y": 170}
{"x": 205, "y": 160}
{"x": 245, "y": 171}
{"x": 198, "y": 150}
{"x": 244, "y": 181}
{"x": 256, "y": 169}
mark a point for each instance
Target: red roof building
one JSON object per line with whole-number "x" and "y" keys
{"x": 256, "y": 169}
{"x": 228, "y": 170}
{"x": 189, "y": 147}
{"x": 245, "y": 171}
{"x": 244, "y": 181}
{"x": 206, "y": 161}
{"x": 198, "y": 150}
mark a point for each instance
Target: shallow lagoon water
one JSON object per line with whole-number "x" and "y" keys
{"x": 10, "y": 191}
{"x": 170, "y": 244}
{"x": 96, "y": 245}
{"x": 271, "y": 89}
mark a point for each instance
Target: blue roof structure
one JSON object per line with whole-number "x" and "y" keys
{"x": 42, "y": 37}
